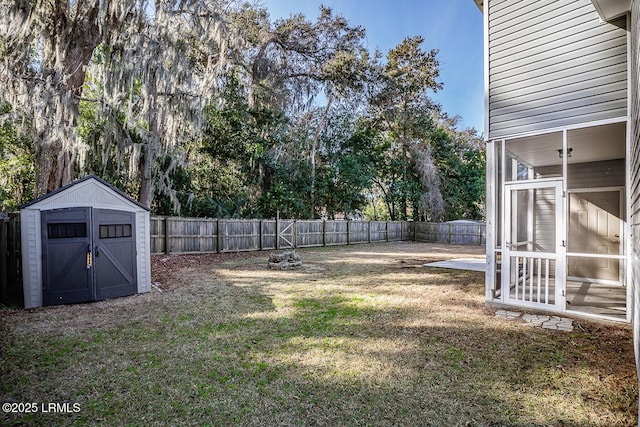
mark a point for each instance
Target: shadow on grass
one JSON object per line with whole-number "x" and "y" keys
{"x": 233, "y": 352}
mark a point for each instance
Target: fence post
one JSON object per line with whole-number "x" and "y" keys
{"x": 386, "y": 231}
{"x": 369, "y": 231}
{"x": 4, "y": 238}
{"x": 295, "y": 234}
{"x": 167, "y": 240}
{"x": 324, "y": 232}
{"x": 218, "y": 236}
{"x": 260, "y": 245}
{"x": 479, "y": 235}
{"x": 348, "y": 232}
{"x": 277, "y": 230}
{"x": 449, "y": 234}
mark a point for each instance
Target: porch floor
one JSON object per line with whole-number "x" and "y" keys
{"x": 582, "y": 297}
{"x": 594, "y": 298}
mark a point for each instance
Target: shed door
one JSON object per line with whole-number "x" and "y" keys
{"x": 114, "y": 253}
{"x": 88, "y": 255}
{"x": 66, "y": 241}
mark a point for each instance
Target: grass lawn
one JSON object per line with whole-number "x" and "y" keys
{"x": 358, "y": 335}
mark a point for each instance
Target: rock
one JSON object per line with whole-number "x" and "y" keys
{"x": 288, "y": 259}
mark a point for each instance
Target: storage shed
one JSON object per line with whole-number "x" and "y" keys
{"x": 86, "y": 241}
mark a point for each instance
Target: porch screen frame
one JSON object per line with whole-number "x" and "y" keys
{"x": 559, "y": 254}
{"x": 623, "y": 238}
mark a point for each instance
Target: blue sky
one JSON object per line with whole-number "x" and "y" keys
{"x": 454, "y": 27}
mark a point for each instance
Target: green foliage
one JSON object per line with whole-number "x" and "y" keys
{"x": 285, "y": 196}
{"x": 461, "y": 164}
{"x": 401, "y": 109}
{"x": 380, "y": 145}
{"x": 17, "y": 171}
{"x": 349, "y": 158}
{"x": 107, "y": 155}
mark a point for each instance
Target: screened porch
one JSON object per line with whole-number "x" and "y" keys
{"x": 559, "y": 215}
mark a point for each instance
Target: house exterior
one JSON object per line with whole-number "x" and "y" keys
{"x": 563, "y": 155}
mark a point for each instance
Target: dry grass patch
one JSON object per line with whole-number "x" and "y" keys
{"x": 360, "y": 335}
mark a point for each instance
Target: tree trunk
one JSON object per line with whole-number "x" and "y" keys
{"x": 45, "y": 153}
{"x": 404, "y": 201}
{"x": 53, "y": 161}
{"x": 146, "y": 181}
{"x": 151, "y": 146}
{"x": 66, "y": 55}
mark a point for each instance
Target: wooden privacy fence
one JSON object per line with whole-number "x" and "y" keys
{"x": 10, "y": 260}
{"x": 453, "y": 232}
{"x": 194, "y": 235}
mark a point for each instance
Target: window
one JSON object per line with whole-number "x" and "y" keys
{"x": 115, "y": 231}
{"x": 66, "y": 230}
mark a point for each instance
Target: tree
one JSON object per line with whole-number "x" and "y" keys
{"x": 155, "y": 66}
{"x": 236, "y": 138}
{"x": 460, "y": 160}
{"x": 294, "y": 60}
{"x": 16, "y": 164}
{"x": 349, "y": 155}
{"x": 45, "y": 47}
{"x": 401, "y": 109}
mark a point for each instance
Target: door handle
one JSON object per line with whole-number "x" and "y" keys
{"x": 89, "y": 259}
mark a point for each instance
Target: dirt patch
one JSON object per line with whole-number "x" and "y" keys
{"x": 166, "y": 268}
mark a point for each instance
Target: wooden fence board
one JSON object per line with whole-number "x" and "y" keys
{"x": 192, "y": 235}
{"x": 310, "y": 233}
{"x": 269, "y": 235}
{"x": 10, "y": 260}
{"x": 201, "y": 235}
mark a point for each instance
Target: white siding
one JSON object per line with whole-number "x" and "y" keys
{"x": 608, "y": 173}
{"x": 143, "y": 251}
{"x": 31, "y": 258}
{"x": 634, "y": 190}
{"x": 545, "y": 220}
{"x": 553, "y": 63}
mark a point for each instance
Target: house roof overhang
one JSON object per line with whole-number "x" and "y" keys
{"x": 610, "y": 9}
{"x": 607, "y": 9}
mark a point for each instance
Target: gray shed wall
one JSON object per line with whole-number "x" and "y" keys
{"x": 553, "y": 63}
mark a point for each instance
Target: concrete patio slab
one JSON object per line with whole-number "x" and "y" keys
{"x": 471, "y": 264}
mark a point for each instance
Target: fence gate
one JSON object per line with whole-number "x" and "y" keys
{"x": 286, "y": 234}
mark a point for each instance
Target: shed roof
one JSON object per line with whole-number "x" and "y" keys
{"x": 75, "y": 183}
